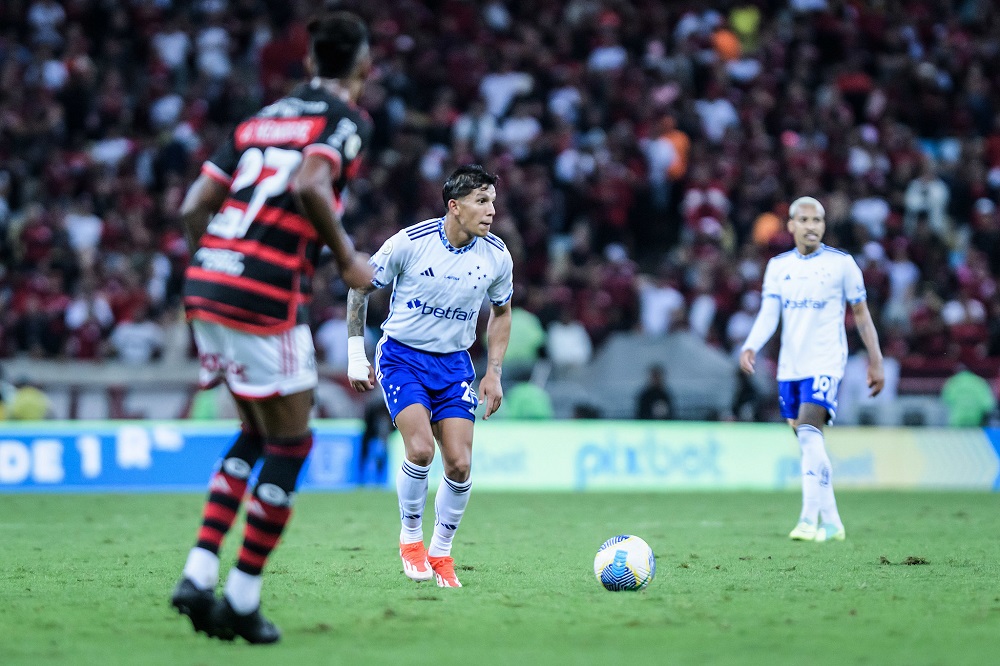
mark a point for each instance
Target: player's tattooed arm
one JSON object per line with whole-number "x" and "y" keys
{"x": 357, "y": 309}
{"x": 359, "y": 371}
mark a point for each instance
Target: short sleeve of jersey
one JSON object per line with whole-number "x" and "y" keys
{"x": 770, "y": 286}
{"x": 502, "y": 288}
{"x": 342, "y": 141}
{"x": 388, "y": 262}
{"x": 221, "y": 166}
{"x": 854, "y": 282}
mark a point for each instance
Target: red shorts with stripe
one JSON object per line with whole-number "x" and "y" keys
{"x": 256, "y": 366}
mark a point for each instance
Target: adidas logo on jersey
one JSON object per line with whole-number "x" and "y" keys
{"x": 428, "y": 273}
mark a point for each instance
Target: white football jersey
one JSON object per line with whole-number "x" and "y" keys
{"x": 438, "y": 289}
{"x": 812, "y": 290}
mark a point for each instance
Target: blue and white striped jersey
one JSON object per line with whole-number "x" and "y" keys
{"x": 438, "y": 289}
{"x": 812, "y": 290}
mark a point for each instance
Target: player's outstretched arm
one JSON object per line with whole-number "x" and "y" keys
{"x": 202, "y": 200}
{"x": 866, "y": 328}
{"x": 313, "y": 191}
{"x": 497, "y": 339}
{"x": 359, "y": 370}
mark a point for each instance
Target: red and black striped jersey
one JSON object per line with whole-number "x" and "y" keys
{"x": 253, "y": 268}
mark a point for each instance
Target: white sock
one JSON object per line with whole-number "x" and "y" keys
{"x": 449, "y": 505}
{"x": 828, "y": 513}
{"x": 814, "y": 461}
{"x": 243, "y": 591}
{"x": 202, "y": 568}
{"x": 411, "y": 488}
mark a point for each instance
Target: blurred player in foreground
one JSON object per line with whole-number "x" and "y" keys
{"x": 256, "y": 219}
{"x": 441, "y": 270}
{"x": 806, "y": 289}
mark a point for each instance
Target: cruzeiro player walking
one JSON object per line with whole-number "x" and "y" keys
{"x": 441, "y": 270}
{"x": 806, "y": 289}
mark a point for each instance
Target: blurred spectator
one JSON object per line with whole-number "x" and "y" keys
{"x": 331, "y": 338}
{"x": 526, "y": 400}
{"x": 568, "y": 345}
{"x": 963, "y": 308}
{"x": 740, "y": 322}
{"x": 519, "y": 130}
{"x": 969, "y": 399}
{"x": 139, "y": 339}
{"x": 499, "y": 88}
{"x": 903, "y": 281}
{"x": 661, "y": 304}
{"x": 84, "y": 229}
{"x": 23, "y": 401}
{"x": 172, "y": 44}
{"x": 46, "y": 17}
{"x": 655, "y": 401}
{"x": 870, "y": 210}
{"x": 475, "y": 131}
{"x": 927, "y": 194}
{"x": 701, "y": 314}
{"x": 527, "y": 339}
{"x": 661, "y": 158}
{"x": 89, "y": 319}
{"x": 717, "y": 113}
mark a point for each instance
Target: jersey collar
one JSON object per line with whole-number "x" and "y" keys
{"x": 811, "y": 255}
{"x": 447, "y": 244}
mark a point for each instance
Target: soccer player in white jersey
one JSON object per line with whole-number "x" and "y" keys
{"x": 440, "y": 270}
{"x": 806, "y": 289}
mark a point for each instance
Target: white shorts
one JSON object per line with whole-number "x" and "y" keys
{"x": 256, "y": 366}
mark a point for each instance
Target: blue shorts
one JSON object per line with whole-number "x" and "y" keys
{"x": 820, "y": 391}
{"x": 440, "y": 382}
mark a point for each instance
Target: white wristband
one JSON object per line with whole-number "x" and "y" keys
{"x": 357, "y": 359}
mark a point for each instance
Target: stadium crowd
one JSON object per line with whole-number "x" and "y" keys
{"x": 648, "y": 153}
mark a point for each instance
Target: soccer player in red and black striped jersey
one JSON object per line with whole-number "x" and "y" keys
{"x": 256, "y": 220}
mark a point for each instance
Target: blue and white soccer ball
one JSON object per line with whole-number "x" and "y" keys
{"x": 624, "y": 562}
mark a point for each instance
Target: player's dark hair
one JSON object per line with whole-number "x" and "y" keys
{"x": 336, "y": 39}
{"x": 465, "y": 179}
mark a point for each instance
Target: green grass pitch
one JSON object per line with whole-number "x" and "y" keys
{"x": 85, "y": 579}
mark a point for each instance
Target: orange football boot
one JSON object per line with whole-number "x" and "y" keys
{"x": 415, "y": 564}
{"x": 444, "y": 571}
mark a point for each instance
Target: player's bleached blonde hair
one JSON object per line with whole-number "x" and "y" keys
{"x": 793, "y": 210}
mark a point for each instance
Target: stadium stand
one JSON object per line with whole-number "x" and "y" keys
{"x": 648, "y": 152}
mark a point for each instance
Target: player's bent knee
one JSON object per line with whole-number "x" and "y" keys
{"x": 458, "y": 471}
{"x": 420, "y": 451}
{"x": 421, "y": 458}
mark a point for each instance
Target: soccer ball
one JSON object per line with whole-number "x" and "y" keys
{"x": 624, "y": 562}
